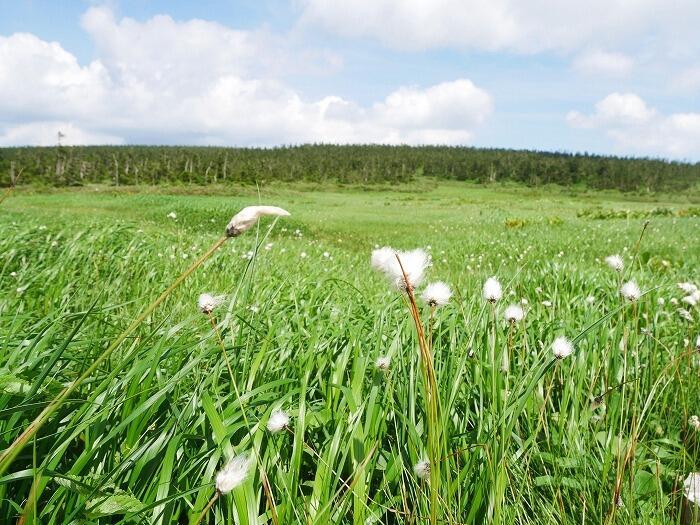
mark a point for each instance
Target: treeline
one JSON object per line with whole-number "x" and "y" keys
{"x": 362, "y": 164}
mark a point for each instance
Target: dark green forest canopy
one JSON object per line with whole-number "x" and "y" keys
{"x": 359, "y": 164}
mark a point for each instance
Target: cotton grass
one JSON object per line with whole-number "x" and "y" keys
{"x": 437, "y": 294}
{"x": 562, "y": 347}
{"x": 233, "y": 474}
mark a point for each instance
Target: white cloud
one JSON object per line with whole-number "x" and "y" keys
{"x": 688, "y": 79}
{"x": 513, "y": 25}
{"x": 201, "y": 82}
{"x": 599, "y": 62}
{"x": 637, "y": 128}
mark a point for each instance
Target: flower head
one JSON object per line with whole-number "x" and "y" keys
{"x": 691, "y": 487}
{"x": 380, "y": 256}
{"x": 422, "y": 469}
{"x": 382, "y": 363}
{"x": 694, "y": 421}
{"x": 688, "y": 288}
{"x": 492, "y": 290}
{"x": 514, "y": 313}
{"x": 172, "y": 215}
{"x": 562, "y": 347}
{"x": 615, "y": 262}
{"x": 413, "y": 264}
{"x": 249, "y": 215}
{"x": 691, "y": 300}
{"x": 279, "y": 420}
{"x": 630, "y": 291}
{"x": 208, "y": 302}
{"x": 437, "y": 294}
{"x": 233, "y": 474}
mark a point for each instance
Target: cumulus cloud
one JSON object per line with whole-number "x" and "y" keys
{"x": 599, "y": 62}
{"x": 201, "y": 82}
{"x": 635, "y": 128}
{"x": 524, "y": 26}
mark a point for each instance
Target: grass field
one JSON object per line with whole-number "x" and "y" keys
{"x": 602, "y": 436}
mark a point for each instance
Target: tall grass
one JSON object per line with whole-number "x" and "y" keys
{"x": 601, "y": 436}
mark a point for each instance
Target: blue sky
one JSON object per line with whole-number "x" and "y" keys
{"x": 606, "y": 77}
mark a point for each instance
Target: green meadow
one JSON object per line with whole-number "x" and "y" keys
{"x": 604, "y": 435}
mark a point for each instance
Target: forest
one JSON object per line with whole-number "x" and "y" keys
{"x": 352, "y": 164}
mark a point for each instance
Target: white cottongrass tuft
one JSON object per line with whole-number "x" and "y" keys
{"x": 590, "y": 299}
{"x": 694, "y": 421}
{"x": 207, "y": 302}
{"x": 697, "y": 344}
{"x": 691, "y": 300}
{"x": 414, "y": 264}
{"x": 383, "y": 363}
{"x": 233, "y": 474}
{"x": 630, "y": 291}
{"x": 437, "y": 294}
{"x": 688, "y": 288}
{"x": 279, "y": 420}
{"x": 248, "y": 216}
{"x": 615, "y": 262}
{"x": 691, "y": 487}
{"x": 492, "y": 290}
{"x": 172, "y": 215}
{"x": 422, "y": 469}
{"x": 514, "y": 313}
{"x": 380, "y": 256}
{"x": 547, "y": 303}
{"x": 562, "y": 347}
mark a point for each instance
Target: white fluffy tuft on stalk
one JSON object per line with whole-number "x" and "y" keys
{"x": 437, "y": 294}
{"x": 233, "y": 474}
{"x": 615, "y": 262}
{"x": 422, "y": 469}
{"x": 562, "y": 347}
{"x": 248, "y": 216}
{"x": 207, "y": 302}
{"x": 382, "y": 363}
{"x": 279, "y": 420}
{"x": 694, "y": 421}
{"x": 630, "y": 291}
{"x": 492, "y": 290}
{"x": 414, "y": 264}
{"x": 514, "y": 313}
{"x": 380, "y": 257}
{"x": 688, "y": 288}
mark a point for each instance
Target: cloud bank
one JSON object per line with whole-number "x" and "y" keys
{"x": 204, "y": 83}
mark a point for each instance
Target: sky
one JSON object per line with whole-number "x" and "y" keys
{"x": 604, "y": 76}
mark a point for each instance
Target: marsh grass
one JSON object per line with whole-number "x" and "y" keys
{"x": 141, "y": 438}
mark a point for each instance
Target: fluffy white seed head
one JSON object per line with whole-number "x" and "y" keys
{"x": 233, "y": 474}
{"x": 514, "y": 313}
{"x": 690, "y": 300}
{"x": 562, "y": 347}
{"x": 437, "y": 294}
{"x": 697, "y": 344}
{"x": 248, "y": 216}
{"x": 279, "y": 420}
{"x": 492, "y": 290}
{"x": 413, "y": 262}
{"x": 688, "y": 288}
{"x": 207, "y": 302}
{"x": 694, "y": 422}
{"x": 422, "y": 469}
{"x": 382, "y": 363}
{"x": 380, "y": 256}
{"x": 691, "y": 488}
{"x": 615, "y": 262}
{"x": 630, "y": 291}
